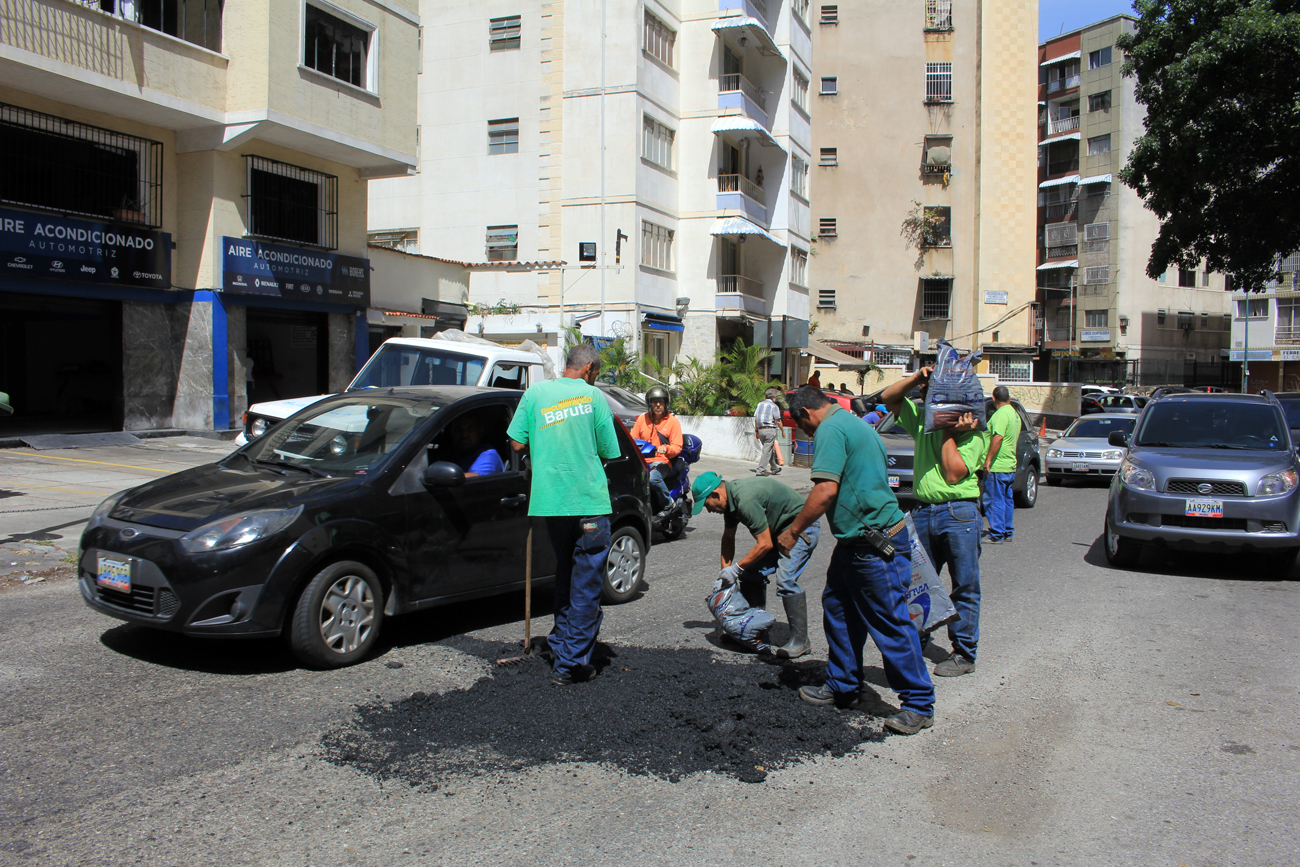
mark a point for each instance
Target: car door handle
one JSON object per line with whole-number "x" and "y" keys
{"x": 511, "y": 502}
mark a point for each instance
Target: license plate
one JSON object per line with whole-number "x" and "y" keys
{"x": 893, "y": 481}
{"x": 1204, "y": 509}
{"x": 114, "y": 574}
{"x": 1078, "y": 467}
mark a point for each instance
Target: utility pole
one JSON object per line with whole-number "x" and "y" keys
{"x": 603, "y": 4}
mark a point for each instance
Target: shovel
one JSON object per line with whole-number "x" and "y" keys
{"x": 528, "y": 602}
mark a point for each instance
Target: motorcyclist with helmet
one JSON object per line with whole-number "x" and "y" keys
{"x": 660, "y": 428}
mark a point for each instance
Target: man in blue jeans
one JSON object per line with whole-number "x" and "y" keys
{"x": 1000, "y": 467}
{"x": 866, "y": 584}
{"x": 947, "y": 515}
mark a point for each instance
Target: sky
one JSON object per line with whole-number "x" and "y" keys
{"x": 1073, "y": 14}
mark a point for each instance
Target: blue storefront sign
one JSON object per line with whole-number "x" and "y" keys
{"x": 259, "y": 268}
{"x": 56, "y": 248}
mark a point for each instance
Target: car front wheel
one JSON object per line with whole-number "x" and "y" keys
{"x": 1120, "y": 551}
{"x": 625, "y": 566}
{"x": 1280, "y": 562}
{"x": 338, "y": 616}
{"x": 1028, "y": 495}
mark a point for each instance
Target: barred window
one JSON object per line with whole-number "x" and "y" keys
{"x": 800, "y": 90}
{"x": 406, "y": 240}
{"x": 938, "y": 82}
{"x": 830, "y": 157}
{"x": 1186, "y": 320}
{"x": 504, "y": 33}
{"x": 1062, "y": 234}
{"x": 336, "y": 47}
{"x": 1094, "y": 276}
{"x": 938, "y": 14}
{"x": 503, "y": 136}
{"x": 1011, "y": 368}
{"x": 656, "y": 246}
{"x": 830, "y": 15}
{"x": 826, "y": 227}
{"x": 798, "y": 267}
{"x": 1096, "y": 232}
{"x": 936, "y": 296}
{"x": 659, "y": 40}
{"x": 291, "y": 203}
{"x": 502, "y": 243}
{"x": 1096, "y": 318}
{"x": 826, "y": 299}
{"x": 798, "y": 176}
{"x": 657, "y": 142}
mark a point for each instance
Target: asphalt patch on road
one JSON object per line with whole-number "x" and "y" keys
{"x": 659, "y": 712}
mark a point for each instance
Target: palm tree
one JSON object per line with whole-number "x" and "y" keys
{"x": 745, "y": 379}
{"x": 700, "y": 388}
{"x": 621, "y": 367}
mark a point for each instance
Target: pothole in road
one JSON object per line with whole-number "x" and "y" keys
{"x": 658, "y": 712}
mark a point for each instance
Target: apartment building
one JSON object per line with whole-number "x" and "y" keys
{"x": 1266, "y": 333}
{"x": 639, "y": 170}
{"x": 923, "y": 124}
{"x": 1103, "y": 318}
{"x": 183, "y": 201}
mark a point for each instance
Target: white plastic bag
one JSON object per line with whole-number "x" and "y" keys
{"x": 927, "y": 599}
{"x": 745, "y": 625}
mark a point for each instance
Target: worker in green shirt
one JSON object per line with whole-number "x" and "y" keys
{"x": 947, "y": 515}
{"x": 567, "y": 427}
{"x": 1000, "y": 467}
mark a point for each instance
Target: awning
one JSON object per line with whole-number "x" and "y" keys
{"x": 741, "y": 226}
{"x": 756, "y": 29}
{"x": 834, "y": 356}
{"x": 1073, "y": 55}
{"x": 1096, "y": 179}
{"x": 750, "y": 128}
{"x": 1069, "y": 136}
{"x": 1047, "y": 266}
{"x": 662, "y": 322}
{"x": 1072, "y": 179}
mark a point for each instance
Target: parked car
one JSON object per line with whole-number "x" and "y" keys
{"x": 1084, "y": 451}
{"x": 1290, "y": 401}
{"x": 1166, "y": 390}
{"x": 627, "y": 405}
{"x": 1116, "y": 403}
{"x": 349, "y": 512}
{"x": 1207, "y": 472}
{"x": 1092, "y": 390}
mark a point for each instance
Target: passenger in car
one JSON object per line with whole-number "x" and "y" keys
{"x": 472, "y": 454}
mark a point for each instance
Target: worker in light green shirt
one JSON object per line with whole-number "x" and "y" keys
{"x": 1000, "y": 467}
{"x": 947, "y": 514}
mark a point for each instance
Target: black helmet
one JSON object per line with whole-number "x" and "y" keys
{"x": 656, "y": 392}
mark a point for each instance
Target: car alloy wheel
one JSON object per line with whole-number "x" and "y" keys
{"x": 1120, "y": 551}
{"x": 1029, "y": 496}
{"x": 624, "y": 566}
{"x": 338, "y": 616}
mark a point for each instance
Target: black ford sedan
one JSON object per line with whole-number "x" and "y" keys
{"x": 354, "y": 509}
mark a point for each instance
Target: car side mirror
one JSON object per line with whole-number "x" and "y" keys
{"x": 1118, "y": 438}
{"x": 443, "y": 474}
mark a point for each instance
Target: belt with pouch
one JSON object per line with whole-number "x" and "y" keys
{"x": 882, "y": 536}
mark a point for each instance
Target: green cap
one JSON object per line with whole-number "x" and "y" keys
{"x": 704, "y": 484}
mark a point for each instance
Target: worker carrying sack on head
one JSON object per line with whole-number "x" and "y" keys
{"x": 953, "y": 390}
{"x": 766, "y": 508}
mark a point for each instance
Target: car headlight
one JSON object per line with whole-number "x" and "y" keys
{"x": 339, "y": 445}
{"x": 1113, "y": 455}
{"x": 1136, "y": 477}
{"x": 1053, "y": 453}
{"x": 257, "y": 427}
{"x": 102, "y": 510}
{"x": 1277, "y": 483}
{"x": 238, "y": 530}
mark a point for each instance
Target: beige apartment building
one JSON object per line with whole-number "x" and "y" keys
{"x": 925, "y": 109}
{"x": 183, "y": 201}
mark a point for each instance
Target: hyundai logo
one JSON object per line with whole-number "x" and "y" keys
{"x": 1204, "y": 488}
{"x": 129, "y": 533}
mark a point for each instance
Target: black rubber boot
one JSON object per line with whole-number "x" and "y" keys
{"x": 755, "y": 593}
{"x": 796, "y": 612}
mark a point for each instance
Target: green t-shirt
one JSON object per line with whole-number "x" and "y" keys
{"x": 928, "y": 482}
{"x": 849, "y": 452}
{"x": 762, "y": 504}
{"x": 568, "y": 427}
{"x": 1005, "y": 422}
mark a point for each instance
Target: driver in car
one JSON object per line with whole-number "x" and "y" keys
{"x": 472, "y": 455}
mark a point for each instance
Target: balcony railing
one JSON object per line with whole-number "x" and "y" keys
{"x": 761, "y": 6}
{"x": 1060, "y": 252}
{"x": 740, "y": 184}
{"x": 195, "y": 21}
{"x": 1287, "y": 335}
{"x": 1063, "y": 124}
{"x": 1062, "y": 84}
{"x": 734, "y": 82}
{"x": 1063, "y": 166}
{"x": 1059, "y": 209}
{"x": 734, "y": 283}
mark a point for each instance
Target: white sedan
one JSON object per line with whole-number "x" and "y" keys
{"x": 1083, "y": 450}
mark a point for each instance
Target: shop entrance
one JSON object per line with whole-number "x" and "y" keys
{"x": 61, "y": 363}
{"x": 290, "y": 354}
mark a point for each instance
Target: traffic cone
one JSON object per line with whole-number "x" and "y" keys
{"x": 1042, "y": 429}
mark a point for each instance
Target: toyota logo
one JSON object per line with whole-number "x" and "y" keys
{"x": 129, "y": 533}
{"x": 1204, "y": 488}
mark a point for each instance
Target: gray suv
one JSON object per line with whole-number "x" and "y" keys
{"x": 1215, "y": 472}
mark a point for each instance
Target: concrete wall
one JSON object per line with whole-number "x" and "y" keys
{"x": 401, "y": 281}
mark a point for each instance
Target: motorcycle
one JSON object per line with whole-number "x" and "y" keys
{"x": 672, "y": 521}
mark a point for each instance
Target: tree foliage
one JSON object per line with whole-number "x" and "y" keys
{"x": 1219, "y": 162}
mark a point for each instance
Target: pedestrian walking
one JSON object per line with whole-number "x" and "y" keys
{"x": 816, "y": 379}
{"x": 765, "y": 507}
{"x": 767, "y": 422}
{"x": 1000, "y": 467}
{"x": 567, "y": 427}
{"x": 870, "y": 570}
{"x": 947, "y": 516}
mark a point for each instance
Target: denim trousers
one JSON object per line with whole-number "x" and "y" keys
{"x": 950, "y": 534}
{"x": 1000, "y": 505}
{"x": 659, "y": 486}
{"x": 581, "y": 547}
{"x": 788, "y": 567}
{"x": 866, "y": 594}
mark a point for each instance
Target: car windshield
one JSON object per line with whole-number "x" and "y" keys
{"x": 1203, "y": 424}
{"x": 395, "y": 365}
{"x": 625, "y": 397}
{"x": 1099, "y": 428}
{"x": 340, "y": 437}
{"x": 1292, "y": 410}
{"x": 889, "y": 427}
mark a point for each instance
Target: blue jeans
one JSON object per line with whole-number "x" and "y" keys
{"x": 659, "y": 486}
{"x": 1000, "y": 505}
{"x": 787, "y": 568}
{"x": 866, "y": 595}
{"x": 581, "y": 547}
{"x": 950, "y": 534}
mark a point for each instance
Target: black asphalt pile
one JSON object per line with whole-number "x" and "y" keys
{"x": 659, "y": 712}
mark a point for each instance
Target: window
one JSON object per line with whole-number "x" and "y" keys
{"x": 48, "y": 162}
{"x": 1205, "y": 278}
{"x": 938, "y": 14}
{"x": 830, "y": 15}
{"x": 826, "y": 227}
{"x": 336, "y": 47}
{"x": 941, "y": 234}
{"x": 1099, "y": 144}
{"x": 830, "y": 86}
{"x": 825, "y": 299}
{"x": 1258, "y": 308}
{"x": 830, "y": 157}
{"x": 502, "y": 243}
{"x": 937, "y": 158}
{"x": 656, "y": 246}
{"x": 1164, "y": 277}
{"x": 290, "y": 203}
{"x": 936, "y": 292}
{"x": 504, "y": 33}
{"x": 660, "y": 40}
{"x": 503, "y": 136}
{"x": 938, "y": 82}
{"x": 798, "y": 177}
{"x": 1227, "y": 282}
{"x": 1160, "y": 318}
{"x": 800, "y": 8}
{"x": 1011, "y": 368}
{"x": 1227, "y": 322}
{"x": 657, "y": 142}
{"x": 1096, "y": 232}
{"x": 800, "y": 90}
{"x": 1186, "y": 320}
{"x": 1099, "y": 101}
{"x": 1094, "y": 276}
{"x": 1186, "y": 278}
{"x": 1205, "y": 321}
{"x": 1100, "y": 58}
{"x": 798, "y": 267}
{"x": 1096, "y": 318}
{"x": 406, "y": 240}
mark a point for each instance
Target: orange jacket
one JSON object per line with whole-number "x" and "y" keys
{"x": 670, "y": 428}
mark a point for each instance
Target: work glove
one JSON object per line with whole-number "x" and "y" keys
{"x": 730, "y": 574}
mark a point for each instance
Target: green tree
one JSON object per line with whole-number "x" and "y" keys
{"x": 745, "y": 379}
{"x": 1219, "y": 162}
{"x": 621, "y": 366}
{"x": 699, "y": 388}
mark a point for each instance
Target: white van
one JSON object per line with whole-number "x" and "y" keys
{"x": 450, "y": 358}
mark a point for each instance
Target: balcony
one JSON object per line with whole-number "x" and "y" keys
{"x": 1062, "y": 84}
{"x": 1059, "y": 125}
{"x": 735, "y": 83}
{"x": 740, "y": 184}
{"x": 1060, "y": 210}
{"x": 1062, "y": 167}
{"x": 752, "y": 8}
{"x": 739, "y": 193}
{"x": 1069, "y": 251}
{"x": 1287, "y": 335}
{"x": 735, "y": 292}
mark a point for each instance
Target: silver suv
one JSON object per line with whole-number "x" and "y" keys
{"x": 1207, "y": 472}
